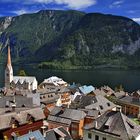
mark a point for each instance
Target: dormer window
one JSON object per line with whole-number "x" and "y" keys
{"x": 101, "y": 107}
{"x": 108, "y": 104}
{"x": 23, "y": 105}
{"x": 7, "y": 104}
{"x": 14, "y": 123}
{"x": 30, "y": 118}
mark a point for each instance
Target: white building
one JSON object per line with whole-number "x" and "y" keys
{"x": 18, "y": 82}
{"x": 53, "y": 81}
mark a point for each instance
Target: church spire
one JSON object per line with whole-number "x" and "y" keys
{"x": 9, "y": 57}
{"x": 8, "y": 70}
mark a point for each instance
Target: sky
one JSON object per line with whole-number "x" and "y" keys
{"x": 128, "y": 8}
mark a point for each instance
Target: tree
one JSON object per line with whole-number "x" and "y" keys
{"x": 133, "y": 138}
{"x": 119, "y": 88}
{"x": 22, "y": 73}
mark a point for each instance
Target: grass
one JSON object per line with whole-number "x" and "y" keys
{"x": 135, "y": 120}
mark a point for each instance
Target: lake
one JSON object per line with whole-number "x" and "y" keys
{"x": 129, "y": 79}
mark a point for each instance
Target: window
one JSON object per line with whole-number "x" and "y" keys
{"x": 89, "y": 135}
{"x": 108, "y": 104}
{"x": 101, "y": 107}
{"x": 104, "y": 138}
{"x": 96, "y": 137}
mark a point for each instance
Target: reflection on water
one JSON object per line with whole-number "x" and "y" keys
{"x": 129, "y": 79}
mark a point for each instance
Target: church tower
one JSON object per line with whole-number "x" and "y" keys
{"x": 8, "y": 70}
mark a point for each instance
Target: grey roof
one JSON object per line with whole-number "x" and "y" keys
{"x": 138, "y": 92}
{"x": 99, "y": 92}
{"x": 50, "y": 135}
{"x": 63, "y": 90}
{"x": 49, "y": 98}
{"x": 115, "y": 123}
{"x": 22, "y": 79}
{"x": 91, "y": 113}
{"x": 84, "y": 100}
{"x": 21, "y": 117}
{"x": 107, "y": 88}
{"x": 129, "y": 100}
{"x": 102, "y": 104}
{"x": 35, "y": 134}
{"x": 56, "y": 110}
{"x": 73, "y": 114}
{"x": 68, "y": 113}
{"x": 20, "y": 101}
{"x": 35, "y": 97}
{"x": 59, "y": 120}
{"x": 86, "y": 89}
{"x": 119, "y": 94}
{"x": 56, "y": 133}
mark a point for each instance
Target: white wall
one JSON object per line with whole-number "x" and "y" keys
{"x": 138, "y": 138}
{"x": 101, "y": 135}
{"x": 34, "y": 85}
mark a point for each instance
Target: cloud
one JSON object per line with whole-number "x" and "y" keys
{"x": 116, "y": 4}
{"x": 136, "y": 19}
{"x": 23, "y": 11}
{"x": 131, "y": 11}
{"x": 75, "y": 4}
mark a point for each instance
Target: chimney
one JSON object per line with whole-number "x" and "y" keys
{"x": 43, "y": 128}
{"x": 96, "y": 124}
{"x": 13, "y": 107}
{"x": 32, "y": 138}
{"x": 14, "y": 104}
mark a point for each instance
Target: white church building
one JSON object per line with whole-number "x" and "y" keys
{"x": 18, "y": 82}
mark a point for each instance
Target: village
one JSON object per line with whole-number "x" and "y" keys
{"x": 57, "y": 110}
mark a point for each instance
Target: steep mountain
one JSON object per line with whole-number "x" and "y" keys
{"x": 65, "y": 39}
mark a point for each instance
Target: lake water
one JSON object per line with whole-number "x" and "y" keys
{"x": 129, "y": 79}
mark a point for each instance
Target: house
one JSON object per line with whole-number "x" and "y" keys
{"x": 86, "y": 89}
{"x": 98, "y": 102}
{"x": 130, "y": 105}
{"x": 53, "y": 81}
{"x": 101, "y": 104}
{"x": 98, "y": 92}
{"x": 81, "y": 101}
{"x": 119, "y": 94}
{"x": 107, "y": 90}
{"x": 60, "y": 97}
{"x": 32, "y": 135}
{"x": 18, "y": 82}
{"x": 49, "y": 98}
{"x": 112, "y": 126}
{"x": 91, "y": 115}
{"x": 20, "y": 122}
{"x": 24, "y": 82}
{"x": 74, "y": 87}
{"x": 73, "y": 96}
{"x": 58, "y": 133}
{"x": 19, "y": 101}
{"x": 64, "y": 96}
{"x": 71, "y": 119}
